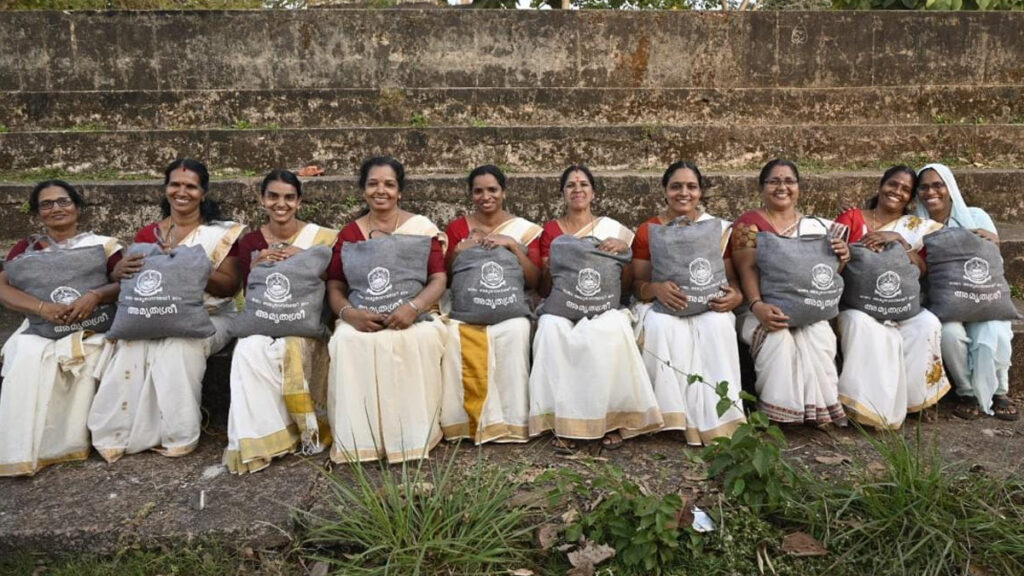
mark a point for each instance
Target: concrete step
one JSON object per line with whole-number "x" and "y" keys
{"x": 519, "y": 149}
{"x": 318, "y": 108}
{"x": 434, "y": 47}
{"x": 122, "y": 207}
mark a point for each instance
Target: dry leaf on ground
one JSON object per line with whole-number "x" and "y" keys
{"x": 521, "y": 572}
{"x": 834, "y": 460}
{"x": 587, "y": 556}
{"x": 801, "y": 544}
{"x": 547, "y": 535}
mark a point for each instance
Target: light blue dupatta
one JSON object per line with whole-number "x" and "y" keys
{"x": 988, "y": 355}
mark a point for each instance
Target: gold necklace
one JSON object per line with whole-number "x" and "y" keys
{"x": 778, "y": 229}
{"x": 369, "y": 221}
{"x": 874, "y": 224}
{"x": 564, "y": 223}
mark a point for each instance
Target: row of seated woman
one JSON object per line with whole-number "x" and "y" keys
{"x": 408, "y": 361}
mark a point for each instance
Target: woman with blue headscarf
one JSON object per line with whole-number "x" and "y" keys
{"x": 976, "y": 354}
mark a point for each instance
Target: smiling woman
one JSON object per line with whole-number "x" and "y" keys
{"x": 266, "y": 370}
{"x": 148, "y": 398}
{"x": 48, "y": 380}
{"x": 890, "y": 368}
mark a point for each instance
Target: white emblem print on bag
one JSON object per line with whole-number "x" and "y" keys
{"x": 492, "y": 275}
{"x": 150, "y": 282}
{"x": 976, "y": 271}
{"x": 380, "y": 281}
{"x": 588, "y": 282}
{"x": 65, "y": 295}
{"x": 822, "y": 276}
{"x": 279, "y": 288}
{"x": 888, "y": 284}
{"x": 700, "y": 272}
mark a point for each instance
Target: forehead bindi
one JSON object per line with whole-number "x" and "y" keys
{"x": 183, "y": 177}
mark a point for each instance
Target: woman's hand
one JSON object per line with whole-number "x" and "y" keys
{"x": 402, "y": 317}
{"x": 613, "y": 246}
{"x": 127, "y": 267}
{"x": 986, "y": 235}
{"x": 770, "y": 316}
{"x": 53, "y": 312}
{"x": 877, "y": 241}
{"x": 728, "y": 301}
{"x": 81, "y": 308}
{"x": 363, "y": 320}
{"x": 669, "y": 294}
{"x": 841, "y": 249}
{"x": 500, "y": 240}
{"x": 276, "y": 254}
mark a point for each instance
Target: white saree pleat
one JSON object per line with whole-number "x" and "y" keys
{"x": 48, "y": 388}
{"x": 384, "y": 392}
{"x": 890, "y": 370}
{"x": 702, "y": 345}
{"x": 486, "y": 371}
{"x": 149, "y": 394}
{"x": 589, "y": 379}
{"x": 796, "y": 372}
{"x": 258, "y": 413}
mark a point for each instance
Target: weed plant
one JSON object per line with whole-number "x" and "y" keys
{"x": 919, "y": 516}
{"x": 422, "y": 519}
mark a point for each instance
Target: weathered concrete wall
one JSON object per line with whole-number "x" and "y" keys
{"x": 468, "y": 48}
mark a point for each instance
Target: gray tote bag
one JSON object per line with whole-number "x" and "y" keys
{"x": 285, "y": 298}
{"x": 965, "y": 278}
{"x": 884, "y": 285}
{"x": 799, "y": 275}
{"x": 165, "y": 298}
{"x": 62, "y": 276}
{"x": 487, "y": 286}
{"x": 386, "y": 271}
{"x": 690, "y": 256}
{"x": 586, "y": 282}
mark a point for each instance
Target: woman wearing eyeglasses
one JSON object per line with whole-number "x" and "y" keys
{"x": 797, "y": 380}
{"x": 49, "y": 384}
{"x": 976, "y": 354}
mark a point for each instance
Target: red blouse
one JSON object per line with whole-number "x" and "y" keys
{"x": 352, "y": 233}
{"x": 458, "y": 231}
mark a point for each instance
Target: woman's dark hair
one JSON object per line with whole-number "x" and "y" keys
{"x": 576, "y": 168}
{"x": 33, "y": 199}
{"x": 676, "y": 166}
{"x": 486, "y": 169}
{"x": 364, "y": 170}
{"x": 286, "y": 176}
{"x": 872, "y": 202}
{"x": 763, "y": 176}
{"x": 209, "y": 210}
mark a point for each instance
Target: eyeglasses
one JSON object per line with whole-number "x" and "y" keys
{"x": 49, "y": 204}
{"x": 776, "y": 182}
{"x": 938, "y": 187}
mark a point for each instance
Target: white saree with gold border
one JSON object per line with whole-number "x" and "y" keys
{"x": 891, "y": 369}
{"x": 48, "y": 389}
{"x": 588, "y": 378}
{"x": 384, "y": 388}
{"x": 486, "y": 370}
{"x": 150, "y": 390}
{"x": 703, "y": 345}
{"x": 278, "y": 390}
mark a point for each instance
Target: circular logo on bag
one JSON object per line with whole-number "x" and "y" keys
{"x": 822, "y": 276}
{"x": 279, "y": 288}
{"x": 976, "y": 271}
{"x": 149, "y": 283}
{"x": 888, "y": 284}
{"x": 700, "y": 272}
{"x": 492, "y": 275}
{"x": 380, "y": 281}
{"x": 588, "y": 282}
{"x": 65, "y": 295}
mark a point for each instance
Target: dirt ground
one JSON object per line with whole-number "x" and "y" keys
{"x": 148, "y": 499}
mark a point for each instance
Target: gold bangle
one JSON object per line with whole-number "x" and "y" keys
{"x": 39, "y": 310}
{"x": 341, "y": 313}
{"x": 414, "y": 306}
